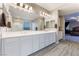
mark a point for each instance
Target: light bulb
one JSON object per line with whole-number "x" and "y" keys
{"x": 43, "y": 13}
{"x": 26, "y": 6}
{"x": 21, "y": 4}
{"x": 30, "y": 8}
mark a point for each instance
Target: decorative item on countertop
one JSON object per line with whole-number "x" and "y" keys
{"x": 3, "y": 20}
{"x": 36, "y": 28}
{"x": 9, "y": 24}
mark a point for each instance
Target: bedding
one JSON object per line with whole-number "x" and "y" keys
{"x": 72, "y": 38}
{"x": 75, "y": 31}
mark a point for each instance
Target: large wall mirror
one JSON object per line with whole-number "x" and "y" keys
{"x": 50, "y": 24}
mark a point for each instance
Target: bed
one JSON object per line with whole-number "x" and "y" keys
{"x": 72, "y": 38}
{"x": 72, "y": 35}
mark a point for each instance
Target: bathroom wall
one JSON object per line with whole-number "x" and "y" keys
{"x": 62, "y": 23}
{"x": 55, "y": 16}
{"x": 0, "y": 14}
{"x": 71, "y": 15}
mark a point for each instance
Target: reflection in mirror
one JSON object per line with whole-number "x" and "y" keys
{"x": 17, "y": 24}
{"x": 50, "y": 24}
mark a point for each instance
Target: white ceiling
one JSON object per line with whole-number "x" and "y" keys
{"x": 65, "y": 8}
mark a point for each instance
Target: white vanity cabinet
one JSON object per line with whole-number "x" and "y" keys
{"x": 46, "y": 37}
{"x": 53, "y": 38}
{"x": 11, "y": 47}
{"x": 35, "y": 43}
{"x": 0, "y": 45}
{"x": 50, "y": 38}
{"x": 26, "y": 45}
{"x": 41, "y": 41}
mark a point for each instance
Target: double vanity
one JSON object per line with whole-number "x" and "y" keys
{"x": 24, "y": 43}
{"x": 24, "y": 31}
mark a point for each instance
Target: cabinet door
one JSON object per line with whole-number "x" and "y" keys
{"x": 35, "y": 43}
{"x": 49, "y": 38}
{"x": 46, "y": 39}
{"x": 11, "y": 46}
{"x": 26, "y": 45}
{"x": 53, "y": 39}
{"x": 42, "y": 41}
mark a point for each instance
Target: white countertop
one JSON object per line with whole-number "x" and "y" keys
{"x": 23, "y": 33}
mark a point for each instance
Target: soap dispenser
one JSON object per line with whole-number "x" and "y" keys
{"x": 8, "y": 26}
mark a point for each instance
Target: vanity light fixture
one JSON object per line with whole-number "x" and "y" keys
{"x": 21, "y": 4}
{"x": 26, "y": 6}
{"x": 44, "y": 14}
{"x": 30, "y": 8}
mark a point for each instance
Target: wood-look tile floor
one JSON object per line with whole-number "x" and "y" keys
{"x": 64, "y": 48}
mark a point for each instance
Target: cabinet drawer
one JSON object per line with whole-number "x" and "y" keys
{"x": 10, "y": 40}
{"x": 11, "y": 44}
